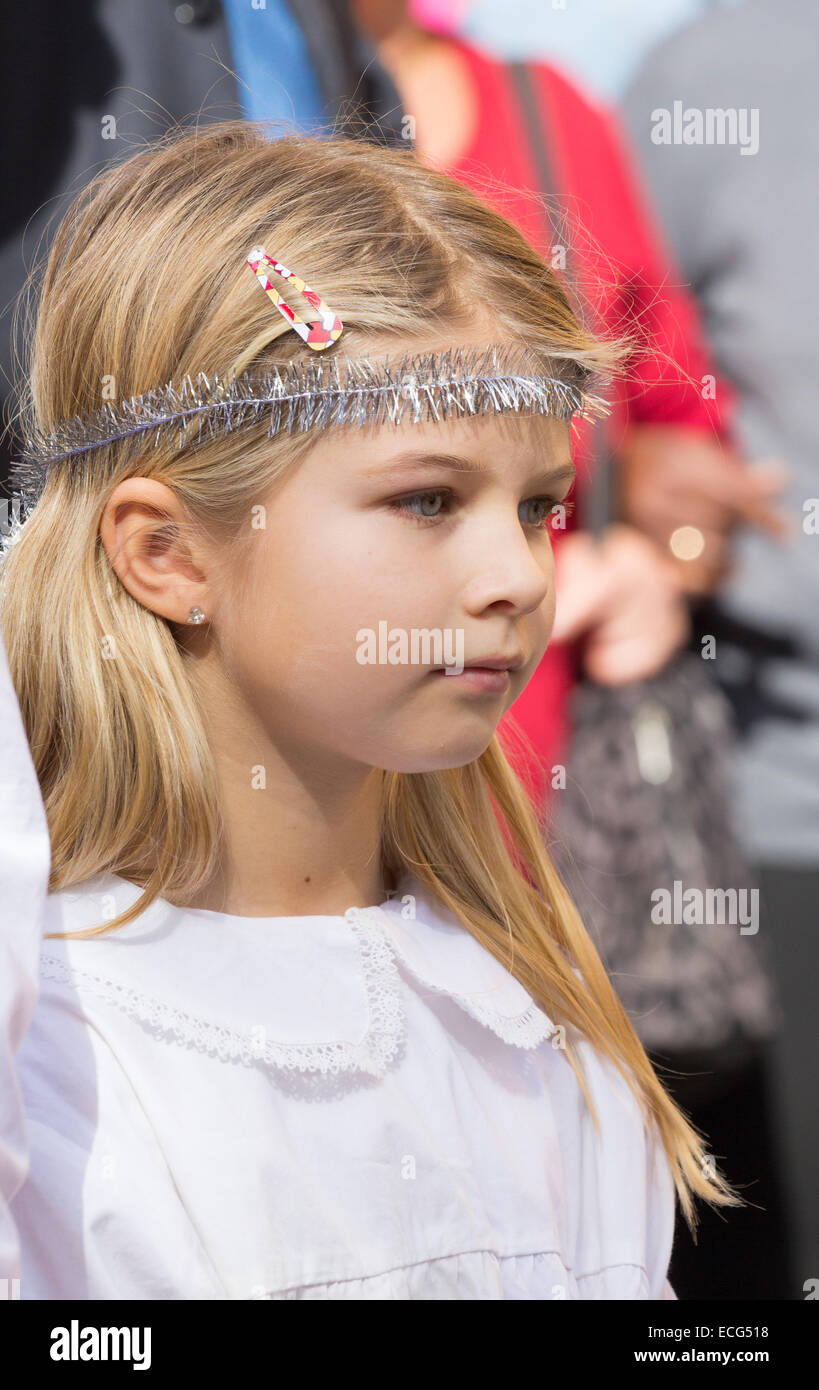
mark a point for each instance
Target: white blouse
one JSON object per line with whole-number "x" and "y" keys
{"x": 205, "y": 1106}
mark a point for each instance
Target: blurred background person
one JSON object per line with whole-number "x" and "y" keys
{"x": 510, "y": 134}
{"x": 742, "y": 223}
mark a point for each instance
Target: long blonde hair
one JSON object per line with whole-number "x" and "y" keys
{"x": 141, "y": 285}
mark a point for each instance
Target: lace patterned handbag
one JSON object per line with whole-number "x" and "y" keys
{"x": 643, "y": 836}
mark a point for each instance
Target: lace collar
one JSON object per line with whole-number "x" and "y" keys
{"x": 306, "y": 994}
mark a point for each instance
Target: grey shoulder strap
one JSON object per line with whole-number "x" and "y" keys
{"x": 595, "y": 505}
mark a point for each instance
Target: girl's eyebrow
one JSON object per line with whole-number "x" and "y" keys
{"x": 413, "y": 459}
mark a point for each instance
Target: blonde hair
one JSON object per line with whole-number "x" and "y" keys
{"x": 145, "y": 281}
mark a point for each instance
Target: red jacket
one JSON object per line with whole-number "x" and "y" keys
{"x": 621, "y": 248}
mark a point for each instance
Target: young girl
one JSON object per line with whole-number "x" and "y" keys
{"x": 295, "y": 1004}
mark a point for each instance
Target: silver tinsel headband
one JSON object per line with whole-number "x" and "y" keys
{"x": 315, "y": 394}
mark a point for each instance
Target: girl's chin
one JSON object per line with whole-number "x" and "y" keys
{"x": 449, "y": 753}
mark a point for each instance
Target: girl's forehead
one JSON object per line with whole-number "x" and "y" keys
{"x": 474, "y": 435}
{"x": 490, "y": 443}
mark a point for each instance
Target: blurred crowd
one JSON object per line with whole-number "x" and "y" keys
{"x": 659, "y": 154}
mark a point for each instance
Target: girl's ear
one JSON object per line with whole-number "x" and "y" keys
{"x": 143, "y": 530}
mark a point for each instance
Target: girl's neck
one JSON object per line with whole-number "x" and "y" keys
{"x": 218, "y": 896}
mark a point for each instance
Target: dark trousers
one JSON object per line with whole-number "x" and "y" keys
{"x": 789, "y": 912}
{"x": 759, "y": 1118}
{"x": 741, "y": 1252}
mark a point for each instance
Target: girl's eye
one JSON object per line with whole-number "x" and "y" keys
{"x": 542, "y": 507}
{"x": 403, "y": 505}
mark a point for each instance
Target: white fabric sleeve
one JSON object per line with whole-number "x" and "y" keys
{"x": 660, "y": 1219}
{"x": 25, "y": 859}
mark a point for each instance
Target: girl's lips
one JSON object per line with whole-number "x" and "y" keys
{"x": 478, "y": 678}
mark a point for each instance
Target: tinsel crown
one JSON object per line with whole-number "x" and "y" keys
{"x": 315, "y": 394}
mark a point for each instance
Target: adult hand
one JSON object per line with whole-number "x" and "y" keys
{"x": 623, "y": 598}
{"x": 669, "y": 477}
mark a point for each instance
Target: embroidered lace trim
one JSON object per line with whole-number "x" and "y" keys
{"x": 527, "y": 1029}
{"x": 371, "y": 1054}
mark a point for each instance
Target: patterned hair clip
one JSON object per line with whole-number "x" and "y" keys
{"x": 318, "y": 333}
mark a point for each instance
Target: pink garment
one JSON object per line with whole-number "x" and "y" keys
{"x": 441, "y": 16}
